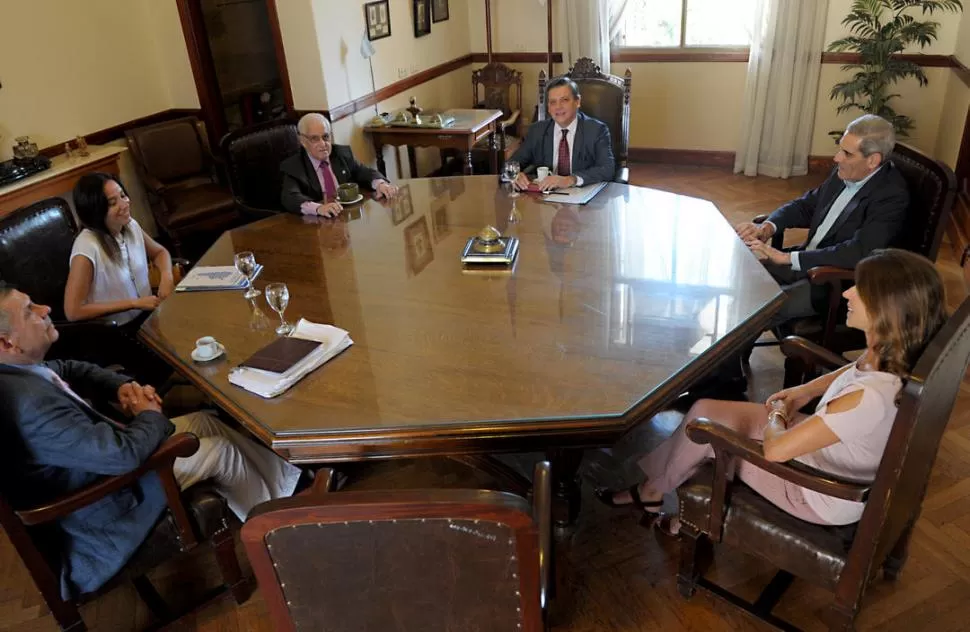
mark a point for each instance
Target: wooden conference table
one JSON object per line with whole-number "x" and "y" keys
{"x": 611, "y": 311}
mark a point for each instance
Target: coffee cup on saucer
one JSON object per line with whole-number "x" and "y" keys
{"x": 542, "y": 173}
{"x": 348, "y": 192}
{"x": 206, "y": 348}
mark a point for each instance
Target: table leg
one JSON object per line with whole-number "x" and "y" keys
{"x": 379, "y": 151}
{"x": 412, "y": 162}
{"x": 468, "y": 162}
{"x": 565, "y": 485}
{"x": 492, "y": 150}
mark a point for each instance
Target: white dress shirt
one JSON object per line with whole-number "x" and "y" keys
{"x": 570, "y": 137}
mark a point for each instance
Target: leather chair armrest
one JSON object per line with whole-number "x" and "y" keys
{"x": 830, "y": 274}
{"x": 811, "y": 353}
{"x": 152, "y": 183}
{"x": 254, "y": 213}
{"x": 622, "y": 175}
{"x": 727, "y": 443}
{"x": 181, "y": 445}
{"x": 542, "y": 514}
{"x": 79, "y": 327}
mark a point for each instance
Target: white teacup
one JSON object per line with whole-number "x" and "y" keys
{"x": 542, "y": 173}
{"x": 206, "y": 347}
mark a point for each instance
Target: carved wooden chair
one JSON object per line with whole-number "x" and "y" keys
{"x": 195, "y": 517}
{"x": 932, "y": 189}
{"x": 843, "y": 559}
{"x": 495, "y": 86}
{"x": 605, "y": 97}
{"x": 446, "y": 559}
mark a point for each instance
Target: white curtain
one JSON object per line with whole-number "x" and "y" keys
{"x": 781, "y": 88}
{"x": 586, "y": 28}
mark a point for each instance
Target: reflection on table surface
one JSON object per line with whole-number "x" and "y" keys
{"x": 605, "y": 303}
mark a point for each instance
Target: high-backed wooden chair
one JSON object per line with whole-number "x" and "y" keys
{"x": 448, "y": 559}
{"x": 198, "y": 516}
{"x": 843, "y": 559}
{"x": 604, "y": 97}
{"x": 495, "y": 86}
{"x": 253, "y": 156}
{"x": 932, "y": 190}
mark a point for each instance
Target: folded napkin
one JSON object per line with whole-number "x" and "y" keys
{"x": 268, "y": 384}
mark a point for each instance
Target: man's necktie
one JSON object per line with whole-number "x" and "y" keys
{"x": 563, "y": 167}
{"x": 329, "y": 181}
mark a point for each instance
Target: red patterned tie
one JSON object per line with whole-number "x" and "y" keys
{"x": 329, "y": 181}
{"x": 563, "y": 168}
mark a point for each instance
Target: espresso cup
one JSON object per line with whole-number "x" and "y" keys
{"x": 348, "y": 192}
{"x": 206, "y": 347}
{"x": 542, "y": 173}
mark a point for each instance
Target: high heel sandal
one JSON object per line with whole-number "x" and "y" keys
{"x": 605, "y": 496}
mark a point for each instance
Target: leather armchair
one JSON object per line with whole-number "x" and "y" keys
{"x": 932, "y": 188}
{"x": 179, "y": 172}
{"x": 253, "y": 156}
{"x": 197, "y": 516}
{"x": 842, "y": 559}
{"x": 605, "y": 97}
{"x": 429, "y": 559}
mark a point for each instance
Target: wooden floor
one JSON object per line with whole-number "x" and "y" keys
{"x": 617, "y": 576}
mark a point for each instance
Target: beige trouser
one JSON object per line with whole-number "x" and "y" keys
{"x": 243, "y": 473}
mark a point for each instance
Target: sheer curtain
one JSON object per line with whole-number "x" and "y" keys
{"x": 586, "y": 28}
{"x": 781, "y": 88}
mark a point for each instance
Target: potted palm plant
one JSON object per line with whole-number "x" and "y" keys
{"x": 879, "y": 30}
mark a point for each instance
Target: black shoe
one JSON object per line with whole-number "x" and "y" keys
{"x": 605, "y": 496}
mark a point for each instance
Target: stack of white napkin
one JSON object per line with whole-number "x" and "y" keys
{"x": 268, "y": 384}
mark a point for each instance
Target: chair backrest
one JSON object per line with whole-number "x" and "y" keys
{"x": 253, "y": 156}
{"x": 932, "y": 193}
{"x": 172, "y": 151}
{"x": 35, "y": 251}
{"x": 925, "y": 405}
{"x": 501, "y": 88}
{"x": 605, "y": 97}
{"x": 401, "y": 560}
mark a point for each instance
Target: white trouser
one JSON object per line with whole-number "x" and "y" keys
{"x": 243, "y": 473}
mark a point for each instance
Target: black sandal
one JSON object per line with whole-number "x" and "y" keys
{"x": 605, "y": 496}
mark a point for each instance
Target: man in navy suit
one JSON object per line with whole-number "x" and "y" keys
{"x": 576, "y": 148}
{"x": 54, "y": 442}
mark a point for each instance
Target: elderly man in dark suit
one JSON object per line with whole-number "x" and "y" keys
{"x": 311, "y": 177}
{"x": 55, "y": 443}
{"x": 576, "y": 148}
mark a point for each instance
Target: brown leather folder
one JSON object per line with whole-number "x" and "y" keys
{"x": 281, "y": 354}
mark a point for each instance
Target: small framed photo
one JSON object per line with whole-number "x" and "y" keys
{"x": 439, "y": 10}
{"x": 417, "y": 246}
{"x": 401, "y": 207}
{"x": 439, "y": 222}
{"x": 422, "y": 18}
{"x": 377, "y": 17}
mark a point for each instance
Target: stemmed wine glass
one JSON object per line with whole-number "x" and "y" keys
{"x": 278, "y": 297}
{"x": 512, "y": 169}
{"x": 246, "y": 264}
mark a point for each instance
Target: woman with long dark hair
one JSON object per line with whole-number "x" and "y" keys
{"x": 898, "y": 301}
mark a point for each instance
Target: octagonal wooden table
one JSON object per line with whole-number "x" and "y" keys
{"x": 611, "y": 310}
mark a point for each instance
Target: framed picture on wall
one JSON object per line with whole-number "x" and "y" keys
{"x": 422, "y": 18}
{"x": 439, "y": 10}
{"x": 378, "y": 19}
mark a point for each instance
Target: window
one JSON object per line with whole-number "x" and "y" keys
{"x": 686, "y": 23}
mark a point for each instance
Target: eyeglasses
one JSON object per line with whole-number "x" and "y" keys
{"x": 316, "y": 139}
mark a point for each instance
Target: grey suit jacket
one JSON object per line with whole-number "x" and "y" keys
{"x": 52, "y": 445}
{"x": 592, "y": 158}
{"x": 301, "y": 183}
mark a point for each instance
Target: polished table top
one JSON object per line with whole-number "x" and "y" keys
{"x": 610, "y": 311}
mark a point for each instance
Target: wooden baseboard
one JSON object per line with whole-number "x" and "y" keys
{"x": 115, "y": 132}
{"x": 692, "y": 157}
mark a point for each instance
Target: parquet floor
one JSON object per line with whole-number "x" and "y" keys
{"x": 616, "y": 576}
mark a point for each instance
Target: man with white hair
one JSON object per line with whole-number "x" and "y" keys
{"x": 311, "y": 176}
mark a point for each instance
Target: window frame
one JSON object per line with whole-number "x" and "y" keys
{"x": 699, "y": 51}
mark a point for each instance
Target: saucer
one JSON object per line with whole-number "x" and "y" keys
{"x": 360, "y": 196}
{"x": 198, "y": 358}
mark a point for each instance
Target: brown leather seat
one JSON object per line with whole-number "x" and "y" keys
{"x": 253, "y": 156}
{"x": 179, "y": 173}
{"x": 842, "y": 559}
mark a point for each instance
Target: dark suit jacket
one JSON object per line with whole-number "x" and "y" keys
{"x": 53, "y": 445}
{"x": 872, "y": 219}
{"x": 592, "y": 158}
{"x": 302, "y": 184}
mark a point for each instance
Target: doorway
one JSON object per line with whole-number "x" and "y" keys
{"x": 236, "y": 52}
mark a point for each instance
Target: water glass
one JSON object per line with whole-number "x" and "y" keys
{"x": 278, "y": 297}
{"x": 246, "y": 264}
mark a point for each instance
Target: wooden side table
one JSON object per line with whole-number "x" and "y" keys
{"x": 60, "y": 178}
{"x": 470, "y": 127}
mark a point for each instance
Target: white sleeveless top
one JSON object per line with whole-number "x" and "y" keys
{"x": 116, "y": 281}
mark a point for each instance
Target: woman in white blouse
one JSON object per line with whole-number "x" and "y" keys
{"x": 898, "y": 301}
{"x": 108, "y": 279}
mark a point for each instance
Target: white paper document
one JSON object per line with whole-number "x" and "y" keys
{"x": 575, "y": 195}
{"x": 268, "y": 384}
{"x": 202, "y": 278}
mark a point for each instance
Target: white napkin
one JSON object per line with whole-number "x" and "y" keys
{"x": 268, "y": 384}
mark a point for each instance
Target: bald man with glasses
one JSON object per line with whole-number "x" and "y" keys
{"x": 311, "y": 176}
